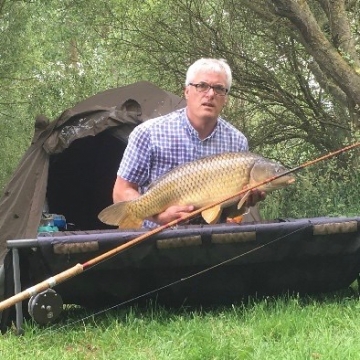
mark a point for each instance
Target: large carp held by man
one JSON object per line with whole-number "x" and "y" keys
{"x": 200, "y": 183}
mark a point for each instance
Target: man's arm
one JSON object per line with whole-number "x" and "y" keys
{"x": 124, "y": 190}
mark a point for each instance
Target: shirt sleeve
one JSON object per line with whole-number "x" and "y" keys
{"x": 134, "y": 166}
{"x": 244, "y": 145}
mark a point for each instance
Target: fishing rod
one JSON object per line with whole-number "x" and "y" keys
{"x": 79, "y": 268}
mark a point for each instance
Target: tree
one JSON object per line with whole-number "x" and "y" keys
{"x": 295, "y": 63}
{"x": 50, "y": 59}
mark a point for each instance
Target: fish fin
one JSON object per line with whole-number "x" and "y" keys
{"x": 232, "y": 214}
{"x": 242, "y": 201}
{"x": 212, "y": 215}
{"x": 131, "y": 222}
{"x": 235, "y": 220}
{"x": 118, "y": 214}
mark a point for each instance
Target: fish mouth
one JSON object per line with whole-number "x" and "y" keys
{"x": 291, "y": 181}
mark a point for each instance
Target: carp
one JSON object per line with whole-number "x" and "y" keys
{"x": 200, "y": 183}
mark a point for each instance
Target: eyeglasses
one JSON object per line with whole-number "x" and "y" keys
{"x": 205, "y": 87}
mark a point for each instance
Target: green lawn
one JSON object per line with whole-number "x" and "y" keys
{"x": 272, "y": 328}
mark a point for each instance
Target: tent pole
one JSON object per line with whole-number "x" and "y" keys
{"x": 17, "y": 288}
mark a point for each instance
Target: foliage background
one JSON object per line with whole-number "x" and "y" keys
{"x": 291, "y": 101}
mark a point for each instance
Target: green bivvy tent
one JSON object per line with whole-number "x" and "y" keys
{"x": 71, "y": 163}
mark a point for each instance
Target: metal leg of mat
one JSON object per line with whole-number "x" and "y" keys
{"x": 17, "y": 289}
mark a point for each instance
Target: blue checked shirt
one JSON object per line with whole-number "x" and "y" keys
{"x": 158, "y": 145}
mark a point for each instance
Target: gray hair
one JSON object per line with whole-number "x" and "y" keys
{"x": 216, "y": 65}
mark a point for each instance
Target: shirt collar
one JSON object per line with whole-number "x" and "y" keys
{"x": 187, "y": 124}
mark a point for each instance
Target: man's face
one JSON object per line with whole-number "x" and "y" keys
{"x": 208, "y": 104}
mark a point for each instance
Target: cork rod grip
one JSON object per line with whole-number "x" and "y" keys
{"x": 46, "y": 284}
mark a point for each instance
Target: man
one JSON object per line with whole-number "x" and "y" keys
{"x": 160, "y": 144}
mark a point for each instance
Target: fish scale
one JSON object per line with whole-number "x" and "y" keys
{"x": 199, "y": 183}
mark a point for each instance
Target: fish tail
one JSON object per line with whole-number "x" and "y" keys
{"x": 120, "y": 214}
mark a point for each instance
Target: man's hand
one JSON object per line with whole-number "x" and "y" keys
{"x": 255, "y": 196}
{"x": 172, "y": 213}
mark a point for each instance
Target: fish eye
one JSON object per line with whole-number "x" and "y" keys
{"x": 280, "y": 169}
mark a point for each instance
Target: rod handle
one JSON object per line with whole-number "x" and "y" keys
{"x": 46, "y": 284}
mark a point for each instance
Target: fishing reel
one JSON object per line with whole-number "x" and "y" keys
{"x": 45, "y": 307}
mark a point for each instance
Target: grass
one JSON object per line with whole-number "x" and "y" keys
{"x": 271, "y": 328}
